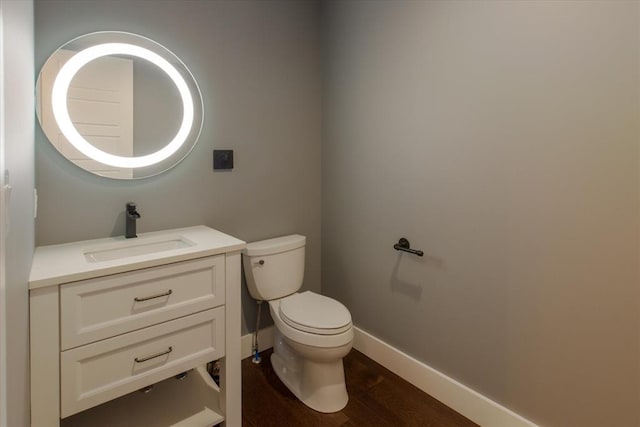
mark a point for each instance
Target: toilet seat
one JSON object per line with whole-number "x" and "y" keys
{"x": 314, "y": 313}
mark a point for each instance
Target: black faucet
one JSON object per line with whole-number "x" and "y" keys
{"x": 132, "y": 216}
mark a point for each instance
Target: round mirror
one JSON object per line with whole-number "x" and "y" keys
{"x": 119, "y": 105}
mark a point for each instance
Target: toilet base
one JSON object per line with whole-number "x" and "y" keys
{"x": 319, "y": 383}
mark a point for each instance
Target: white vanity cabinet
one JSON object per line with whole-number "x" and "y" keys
{"x": 103, "y": 330}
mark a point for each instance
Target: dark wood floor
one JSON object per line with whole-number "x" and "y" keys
{"x": 377, "y": 397}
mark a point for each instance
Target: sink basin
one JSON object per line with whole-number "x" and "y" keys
{"x": 134, "y": 247}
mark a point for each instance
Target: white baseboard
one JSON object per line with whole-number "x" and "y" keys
{"x": 459, "y": 397}
{"x": 265, "y": 341}
{"x": 455, "y": 395}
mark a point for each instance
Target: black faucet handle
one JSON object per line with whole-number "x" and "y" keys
{"x": 131, "y": 211}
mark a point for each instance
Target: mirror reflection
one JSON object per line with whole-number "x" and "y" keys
{"x": 121, "y": 104}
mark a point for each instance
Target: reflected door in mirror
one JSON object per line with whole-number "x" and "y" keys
{"x": 100, "y": 104}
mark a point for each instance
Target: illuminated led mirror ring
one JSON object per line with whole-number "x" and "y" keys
{"x": 61, "y": 113}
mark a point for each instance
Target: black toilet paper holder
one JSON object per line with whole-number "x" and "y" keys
{"x": 404, "y": 245}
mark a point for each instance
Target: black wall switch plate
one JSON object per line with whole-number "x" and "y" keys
{"x": 222, "y": 159}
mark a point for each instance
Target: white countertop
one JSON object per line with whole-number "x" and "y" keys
{"x": 56, "y": 264}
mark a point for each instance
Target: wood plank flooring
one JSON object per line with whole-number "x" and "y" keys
{"x": 377, "y": 397}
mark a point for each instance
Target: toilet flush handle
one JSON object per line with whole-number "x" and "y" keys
{"x": 261, "y": 262}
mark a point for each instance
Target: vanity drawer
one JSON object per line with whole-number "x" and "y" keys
{"x": 98, "y": 372}
{"x": 100, "y": 308}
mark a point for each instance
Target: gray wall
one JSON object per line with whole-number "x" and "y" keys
{"x": 502, "y": 139}
{"x": 157, "y": 108}
{"x": 17, "y": 32}
{"x": 257, "y": 64}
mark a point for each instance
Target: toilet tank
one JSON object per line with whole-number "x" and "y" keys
{"x": 274, "y": 268}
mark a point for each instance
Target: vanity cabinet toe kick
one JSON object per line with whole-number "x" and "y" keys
{"x": 96, "y": 342}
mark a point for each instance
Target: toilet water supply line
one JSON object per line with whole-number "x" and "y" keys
{"x": 256, "y": 354}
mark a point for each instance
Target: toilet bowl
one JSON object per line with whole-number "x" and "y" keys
{"x": 313, "y": 332}
{"x": 310, "y": 363}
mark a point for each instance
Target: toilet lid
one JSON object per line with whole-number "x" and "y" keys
{"x": 311, "y": 312}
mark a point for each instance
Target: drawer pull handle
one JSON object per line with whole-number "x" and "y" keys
{"x": 153, "y": 356}
{"x": 137, "y": 299}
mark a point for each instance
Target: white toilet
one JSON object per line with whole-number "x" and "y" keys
{"x": 313, "y": 332}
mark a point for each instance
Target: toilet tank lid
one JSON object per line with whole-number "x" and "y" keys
{"x": 276, "y": 245}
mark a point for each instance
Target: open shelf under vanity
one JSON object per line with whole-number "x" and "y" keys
{"x": 193, "y": 401}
